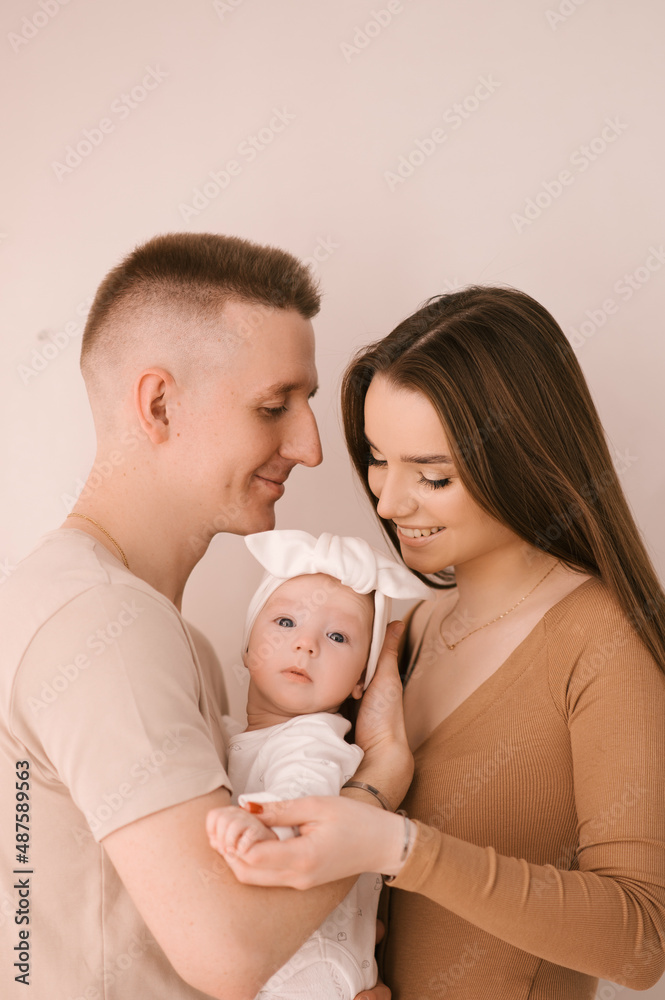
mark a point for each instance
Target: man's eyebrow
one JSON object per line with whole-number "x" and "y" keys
{"x": 419, "y": 459}
{"x": 284, "y": 388}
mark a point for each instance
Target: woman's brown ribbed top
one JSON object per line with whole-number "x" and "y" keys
{"x": 540, "y": 859}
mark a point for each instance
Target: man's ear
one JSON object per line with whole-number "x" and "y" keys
{"x": 153, "y": 398}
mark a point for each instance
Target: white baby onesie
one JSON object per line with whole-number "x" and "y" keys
{"x": 308, "y": 756}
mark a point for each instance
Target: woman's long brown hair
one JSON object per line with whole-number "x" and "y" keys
{"x": 525, "y": 435}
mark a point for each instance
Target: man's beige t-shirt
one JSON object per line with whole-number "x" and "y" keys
{"x": 105, "y": 705}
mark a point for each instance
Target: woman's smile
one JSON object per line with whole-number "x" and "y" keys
{"x": 411, "y": 536}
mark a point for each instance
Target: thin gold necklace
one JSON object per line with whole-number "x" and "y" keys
{"x": 498, "y": 617}
{"x": 107, "y": 533}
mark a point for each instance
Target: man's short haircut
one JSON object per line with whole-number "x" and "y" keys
{"x": 192, "y": 274}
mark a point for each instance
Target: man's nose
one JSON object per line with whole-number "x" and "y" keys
{"x": 303, "y": 444}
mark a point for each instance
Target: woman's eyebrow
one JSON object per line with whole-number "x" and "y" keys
{"x": 419, "y": 459}
{"x": 428, "y": 459}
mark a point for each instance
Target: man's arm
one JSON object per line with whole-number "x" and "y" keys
{"x": 131, "y": 720}
{"x": 224, "y": 938}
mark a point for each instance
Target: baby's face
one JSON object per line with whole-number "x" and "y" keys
{"x": 309, "y": 646}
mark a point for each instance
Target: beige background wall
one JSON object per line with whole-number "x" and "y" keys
{"x": 406, "y": 147}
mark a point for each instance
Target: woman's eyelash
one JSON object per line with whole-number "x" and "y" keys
{"x": 435, "y": 484}
{"x": 273, "y": 411}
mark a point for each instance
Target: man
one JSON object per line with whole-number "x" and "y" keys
{"x": 198, "y": 358}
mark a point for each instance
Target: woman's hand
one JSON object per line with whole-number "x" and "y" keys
{"x": 338, "y": 837}
{"x": 388, "y": 762}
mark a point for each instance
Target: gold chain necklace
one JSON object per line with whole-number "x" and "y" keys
{"x": 498, "y": 617}
{"x": 107, "y": 533}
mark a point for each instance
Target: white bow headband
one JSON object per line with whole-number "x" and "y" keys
{"x": 352, "y": 561}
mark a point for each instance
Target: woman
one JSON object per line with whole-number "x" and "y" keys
{"x": 534, "y": 687}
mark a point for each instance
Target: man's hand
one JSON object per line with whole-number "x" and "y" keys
{"x": 380, "y": 992}
{"x": 232, "y": 830}
{"x": 380, "y": 732}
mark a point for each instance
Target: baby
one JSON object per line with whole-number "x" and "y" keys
{"x": 313, "y": 634}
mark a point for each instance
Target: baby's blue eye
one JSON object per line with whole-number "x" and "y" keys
{"x": 336, "y": 636}
{"x": 285, "y": 622}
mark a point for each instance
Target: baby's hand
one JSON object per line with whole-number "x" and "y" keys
{"x": 232, "y": 830}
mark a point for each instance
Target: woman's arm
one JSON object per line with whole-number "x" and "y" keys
{"x": 388, "y": 761}
{"x": 606, "y": 916}
{"x": 606, "y": 919}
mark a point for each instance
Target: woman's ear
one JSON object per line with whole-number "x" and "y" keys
{"x": 153, "y": 399}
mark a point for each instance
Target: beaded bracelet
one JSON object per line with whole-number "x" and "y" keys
{"x": 405, "y": 848}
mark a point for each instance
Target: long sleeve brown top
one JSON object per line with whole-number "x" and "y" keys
{"x": 539, "y": 863}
